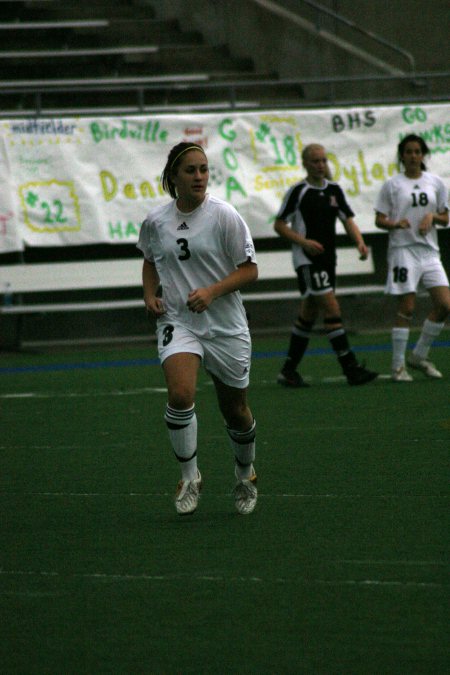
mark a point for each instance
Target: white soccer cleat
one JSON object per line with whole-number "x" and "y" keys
{"x": 425, "y": 366}
{"x": 401, "y": 375}
{"x": 245, "y": 495}
{"x": 187, "y": 495}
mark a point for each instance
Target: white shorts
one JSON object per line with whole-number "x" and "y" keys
{"x": 227, "y": 357}
{"x": 411, "y": 268}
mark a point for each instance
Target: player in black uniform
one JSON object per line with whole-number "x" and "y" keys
{"x": 307, "y": 219}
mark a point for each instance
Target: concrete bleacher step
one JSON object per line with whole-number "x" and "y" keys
{"x": 94, "y": 33}
{"x": 144, "y": 31}
{"x": 41, "y": 35}
{"x": 143, "y": 60}
{"x": 60, "y": 10}
{"x": 117, "y": 42}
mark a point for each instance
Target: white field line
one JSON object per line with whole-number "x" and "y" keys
{"x": 424, "y": 563}
{"x": 8, "y": 493}
{"x": 101, "y": 576}
{"x": 159, "y": 390}
{"x": 82, "y": 394}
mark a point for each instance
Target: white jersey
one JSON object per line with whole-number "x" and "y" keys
{"x": 412, "y": 198}
{"x": 194, "y": 250}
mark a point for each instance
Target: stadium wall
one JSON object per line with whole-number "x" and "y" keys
{"x": 292, "y": 52}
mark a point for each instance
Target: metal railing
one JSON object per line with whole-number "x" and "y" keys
{"x": 316, "y": 29}
{"x": 379, "y": 39}
{"x": 234, "y": 94}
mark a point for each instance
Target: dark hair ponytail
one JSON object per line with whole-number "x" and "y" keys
{"x": 172, "y": 163}
{"x": 412, "y": 138}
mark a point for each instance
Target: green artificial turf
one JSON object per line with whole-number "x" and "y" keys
{"x": 341, "y": 569}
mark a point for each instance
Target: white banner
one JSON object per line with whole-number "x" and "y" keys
{"x": 73, "y": 181}
{"x": 10, "y": 237}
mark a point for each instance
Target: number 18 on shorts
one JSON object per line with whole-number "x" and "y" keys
{"x": 414, "y": 266}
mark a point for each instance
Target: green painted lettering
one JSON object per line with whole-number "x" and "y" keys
{"x": 228, "y": 135}
{"x": 233, "y": 185}
{"x": 131, "y": 230}
{"x": 96, "y": 133}
{"x": 115, "y": 231}
{"x": 230, "y": 159}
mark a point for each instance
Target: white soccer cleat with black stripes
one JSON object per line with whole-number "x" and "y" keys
{"x": 187, "y": 495}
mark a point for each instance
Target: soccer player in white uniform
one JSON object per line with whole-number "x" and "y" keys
{"x": 200, "y": 252}
{"x": 409, "y": 206}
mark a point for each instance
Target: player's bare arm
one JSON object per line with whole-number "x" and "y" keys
{"x": 150, "y": 281}
{"x": 200, "y": 298}
{"x": 431, "y": 219}
{"x": 310, "y": 246}
{"x": 385, "y": 223}
{"x": 355, "y": 235}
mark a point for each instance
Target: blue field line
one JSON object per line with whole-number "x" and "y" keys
{"x": 321, "y": 351}
{"x": 89, "y": 365}
{"x": 131, "y": 363}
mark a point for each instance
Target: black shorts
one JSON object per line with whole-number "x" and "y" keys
{"x": 316, "y": 279}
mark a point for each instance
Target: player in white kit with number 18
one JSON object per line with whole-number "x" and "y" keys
{"x": 410, "y": 206}
{"x": 199, "y": 250}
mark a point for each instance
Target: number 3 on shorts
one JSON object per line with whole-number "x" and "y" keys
{"x": 168, "y": 334}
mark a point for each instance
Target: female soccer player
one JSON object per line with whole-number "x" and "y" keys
{"x": 200, "y": 251}
{"x": 409, "y": 207}
{"x": 307, "y": 219}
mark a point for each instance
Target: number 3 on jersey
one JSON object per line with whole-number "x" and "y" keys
{"x": 185, "y": 252}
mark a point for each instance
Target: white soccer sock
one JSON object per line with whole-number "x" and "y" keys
{"x": 182, "y": 426}
{"x": 243, "y": 445}
{"x": 430, "y": 331}
{"x": 400, "y": 337}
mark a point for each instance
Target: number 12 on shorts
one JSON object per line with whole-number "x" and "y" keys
{"x": 321, "y": 280}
